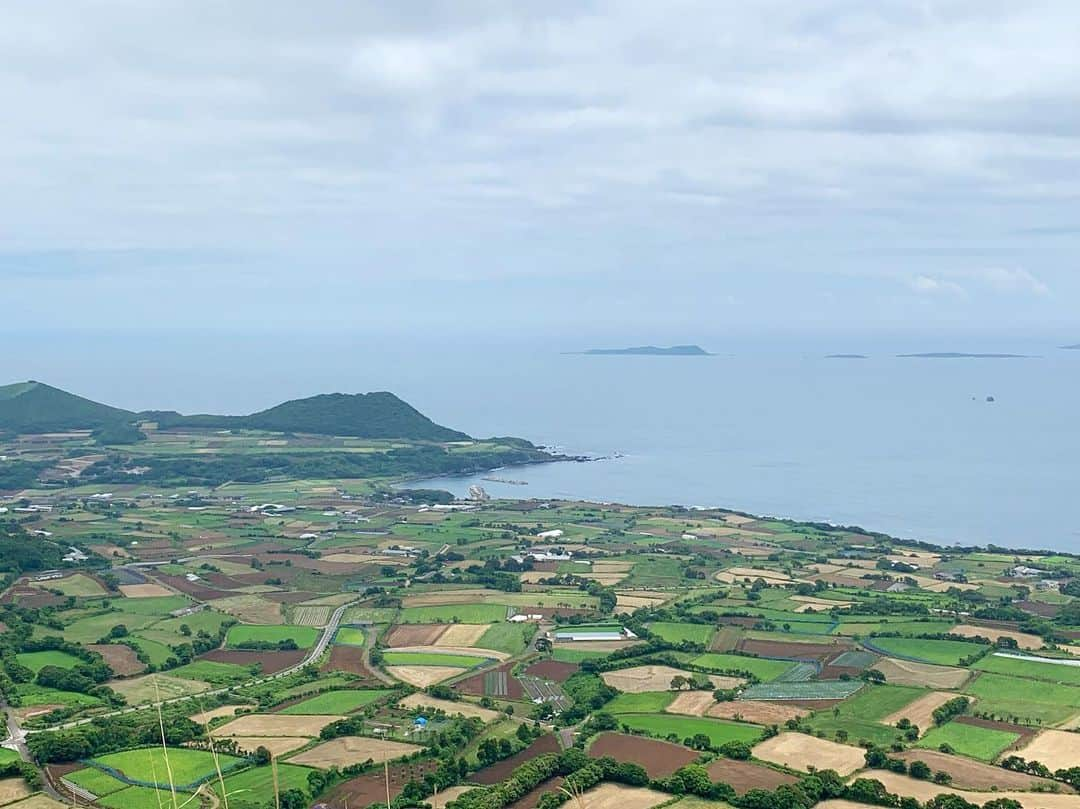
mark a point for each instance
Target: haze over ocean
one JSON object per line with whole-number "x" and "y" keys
{"x": 769, "y": 425}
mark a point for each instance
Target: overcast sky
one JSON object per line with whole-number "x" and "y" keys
{"x": 658, "y": 168}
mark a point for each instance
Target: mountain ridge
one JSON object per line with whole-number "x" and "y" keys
{"x": 27, "y": 407}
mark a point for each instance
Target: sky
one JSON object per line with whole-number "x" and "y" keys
{"x": 625, "y": 168}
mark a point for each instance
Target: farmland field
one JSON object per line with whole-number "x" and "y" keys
{"x": 695, "y": 633}
{"x": 940, "y": 652}
{"x": 758, "y": 666}
{"x": 455, "y": 613}
{"x": 303, "y": 636}
{"x": 254, "y": 787}
{"x": 718, "y": 730}
{"x": 1030, "y": 667}
{"x": 1027, "y": 701}
{"x": 36, "y": 661}
{"x": 335, "y": 702}
{"x": 969, "y": 740}
{"x": 187, "y": 766}
{"x": 430, "y": 659}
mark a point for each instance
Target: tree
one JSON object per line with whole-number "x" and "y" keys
{"x": 185, "y": 630}
{"x": 677, "y": 682}
{"x": 949, "y": 801}
{"x": 261, "y": 756}
{"x": 920, "y": 770}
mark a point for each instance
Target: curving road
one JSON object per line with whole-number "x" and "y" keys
{"x": 19, "y": 734}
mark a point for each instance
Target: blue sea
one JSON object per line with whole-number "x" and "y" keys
{"x": 907, "y": 446}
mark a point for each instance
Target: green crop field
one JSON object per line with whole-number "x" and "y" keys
{"x": 1024, "y": 700}
{"x": 303, "y": 636}
{"x": 331, "y": 703}
{"x": 186, "y": 765}
{"x": 942, "y": 652}
{"x": 210, "y": 671}
{"x": 1030, "y": 667}
{"x": 455, "y": 613}
{"x": 676, "y": 633}
{"x": 969, "y": 740}
{"x": 717, "y": 730}
{"x": 350, "y": 636}
{"x": 567, "y": 655}
{"x": 36, "y": 661}
{"x": 803, "y": 689}
{"x": 760, "y": 667}
{"x": 140, "y": 798}
{"x": 96, "y": 781}
{"x": 253, "y": 788}
{"x": 432, "y": 659}
{"x": 648, "y": 702}
{"x": 31, "y": 694}
{"x": 7, "y": 756}
{"x": 156, "y": 606}
{"x": 507, "y": 637}
{"x": 859, "y": 715}
{"x": 157, "y": 652}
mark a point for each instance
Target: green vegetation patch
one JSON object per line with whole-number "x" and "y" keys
{"x": 332, "y": 703}
{"x": 1029, "y": 667}
{"x": 96, "y": 781}
{"x": 210, "y": 671}
{"x": 350, "y": 636}
{"x": 432, "y": 659}
{"x": 137, "y": 798}
{"x": 942, "y": 652}
{"x": 760, "y": 667}
{"x": 36, "y": 661}
{"x": 454, "y": 614}
{"x": 818, "y": 689}
{"x": 677, "y": 633}
{"x": 718, "y": 731}
{"x": 253, "y": 788}
{"x": 566, "y": 655}
{"x": 969, "y": 740}
{"x": 243, "y": 634}
{"x": 647, "y": 702}
{"x": 507, "y": 637}
{"x": 149, "y": 764}
{"x": 1021, "y": 700}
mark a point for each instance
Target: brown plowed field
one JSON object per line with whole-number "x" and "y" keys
{"x": 371, "y": 788}
{"x": 288, "y": 597}
{"x": 121, "y": 659}
{"x": 659, "y": 758}
{"x": 500, "y": 770}
{"x": 347, "y": 658}
{"x": 192, "y": 588}
{"x": 474, "y": 686}
{"x": 969, "y": 774}
{"x": 414, "y": 635}
{"x": 553, "y": 670}
{"x": 739, "y": 620}
{"x": 801, "y": 750}
{"x": 726, "y": 639}
{"x": 347, "y": 750}
{"x": 758, "y": 711}
{"x": 1057, "y": 749}
{"x": 271, "y": 662}
{"x": 921, "y": 711}
{"x": 803, "y": 651}
{"x": 531, "y": 798}
{"x": 745, "y": 775}
{"x": 921, "y": 675}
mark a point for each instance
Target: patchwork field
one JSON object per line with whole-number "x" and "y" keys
{"x": 352, "y": 749}
{"x": 920, "y": 712}
{"x": 276, "y": 725}
{"x": 420, "y": 701}
{"x": 1057, "y": 749}
{"x": 977, "y": 742}
{"x": 423, "y": 676}
{"x": 797, "y": 750}
{"x": 925, "y": 675}
{"x": 335, "y": 703}
{"x": 718, "y": 730}
{"x": 657, "y": 678}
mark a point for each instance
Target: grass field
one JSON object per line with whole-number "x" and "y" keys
{"x": 455, "y": 613}
{"x": 1025, "y": 700}
{"x": 802, "y": 689}
{"x": 36, "y": 661}
{"x": 506, "y": 637}
{"x": 187, "y": 766}
{"x": 31, "y": 694}
{"x": 303, "y": 636}
{"x": 156, "y": 605}
{"x": 425, "y": 659}
{"x": 210, "y": 671}
{"x": 7, "y": 756}
{"x": 78, "y": 585}
{"x": 647, "y": 702}
{"x": 969, "y": 740}
{"x": 96, "y": 781}
{"x": 1051, "y": 672}
{"x": 761, "y": 668}
{"x": 859, "y": 714}
{"x": 676, "y": 633}
{"x": 350, "y": 636}
{"x": 717, "y": 730}
{"x": 333, "y": 703}
{"x": 565, "y": 655}
{"x": 941, "y": 652}
{"x": 131, "y": 797}
{"x": 156, "y": 651}
{"x": 254, "y": 787}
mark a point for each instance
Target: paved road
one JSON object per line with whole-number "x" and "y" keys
{"x": 16, "y": 740}
{"x": 316, "y": 652}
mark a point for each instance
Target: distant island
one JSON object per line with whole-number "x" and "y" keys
{"x": 960, "y": 355}
{"x": 652, "y": 351}
{"x": 846, "y": 357}
{"x": 1074, "y": 347}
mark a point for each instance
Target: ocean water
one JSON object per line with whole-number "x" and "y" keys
{"x": 907, "y": 446}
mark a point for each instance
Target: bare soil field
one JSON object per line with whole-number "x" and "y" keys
{"x": 501, "y": 770}
{"x": 802, "y": 651}
{"x": 760, "y": 712}
{"x": 970, "y": 774}
{"x": 423, "y": 676}
{"x": 462, "y": 634}
{"x": 797, "y": 750}
{"x": 351, "y": 750}
{"x": 148, "y": 687}
{"x": 416, "y": 701}
{"x": 1023, "y": 639}
{"x": 692, "y": 703}
{"x": 484, "y": 684}
{"x": 287, "y": 596}
{"x": 251, "y": 609}
{"x": 271, "y": 662}
{"x": 632, "y": 601}
{"x": 225, "y": 710}
{"x": 277, "y": 745}
{"x": 260, "y": 724}
{"x": 904, "y": 785}
{"x": 640, "y": 679}
{"x": 1057, "y": 749}
{"x": 553, "y": 670}
{"x": 921, "y": 711}
{"x": 440, "y": 597}
{"x": 618, "y": 796}
{"x": 349, "y": 659}
{"x": 922, "y": 675}
{"x": 366, "y": 790}
{"x": 121, "y": 659}
{"x": 38, "y": 801}
{"x": 144, "y": 590}
{"x": 659, "y": 758}
{"x": 745, "y": 775}
{"x": 467, "y": 651}
{"x": 13, "y": 789}
{"x": 191, "y": 588}
{"x": 414, "y": 635}
{"x": 726, "y": 638}
{"x": 311, "y": 616}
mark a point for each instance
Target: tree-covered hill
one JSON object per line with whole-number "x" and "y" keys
{"x": 34, "y": 407}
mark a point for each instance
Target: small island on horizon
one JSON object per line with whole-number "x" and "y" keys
{"x": 961, "y": 355}
{"x": 650, "y": 351}
{"x": 846, "y": 357}
{"x": 1073, "y": 347}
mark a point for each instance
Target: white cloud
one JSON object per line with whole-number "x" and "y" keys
{"x": 925, "y": 285}
{"x": 1011, "y": 280}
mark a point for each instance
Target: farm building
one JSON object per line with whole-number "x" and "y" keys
{"x": 621, "y": 633}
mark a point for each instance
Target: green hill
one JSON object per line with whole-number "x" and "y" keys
{"x": 363, "y": 415}
{"x": 33, "y": 407}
